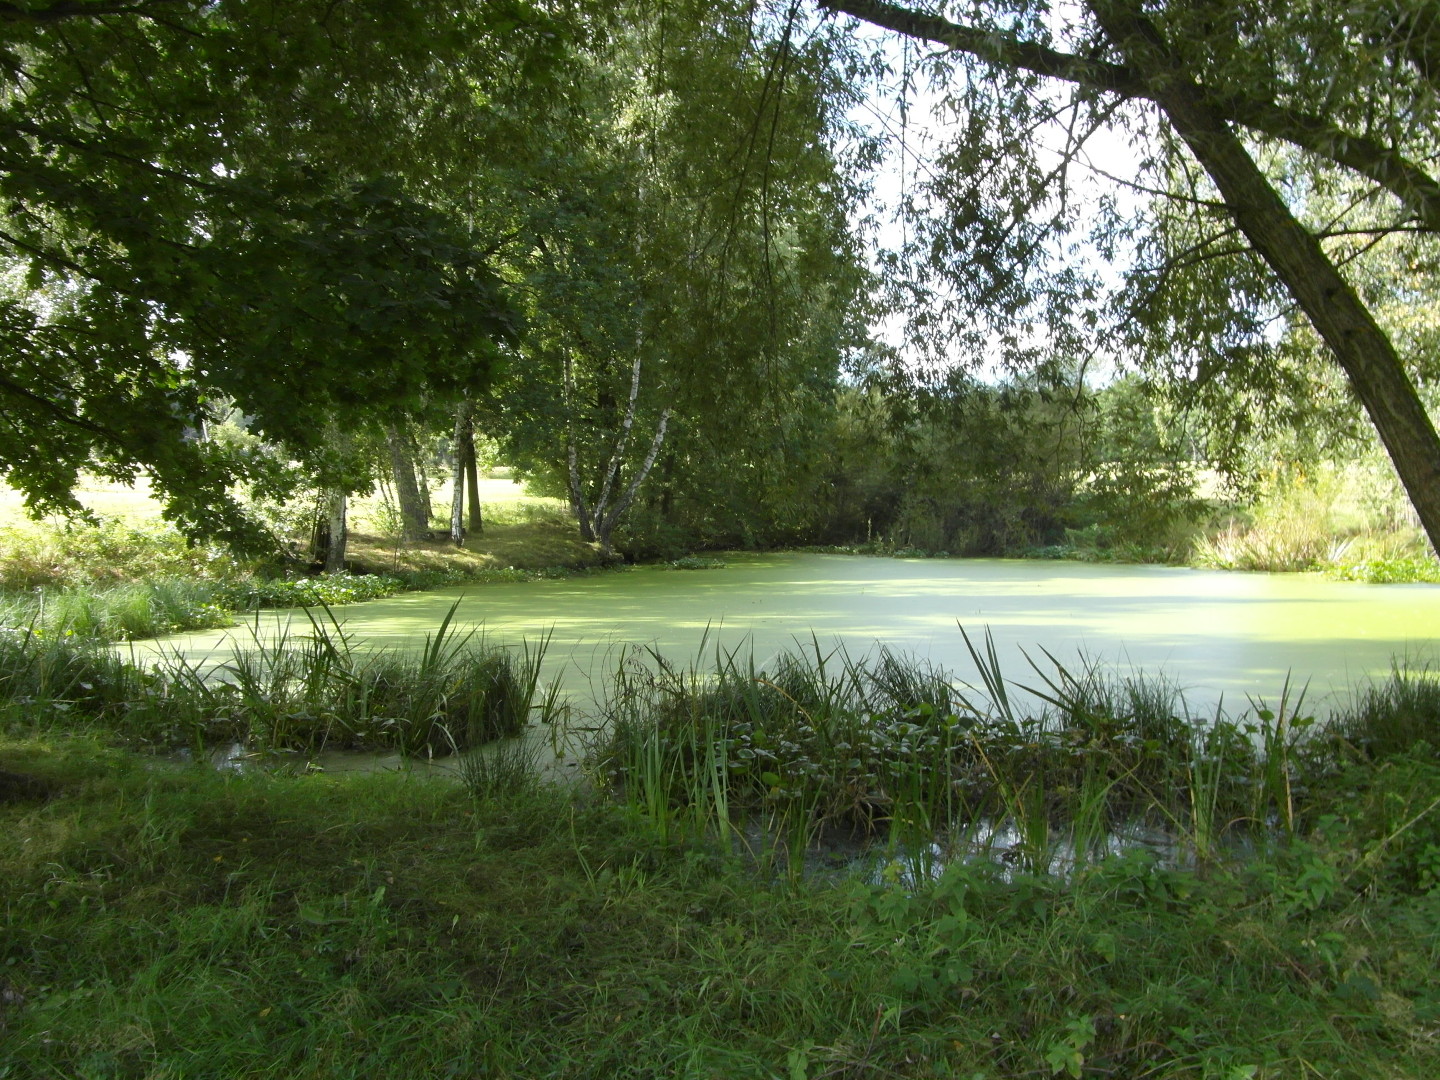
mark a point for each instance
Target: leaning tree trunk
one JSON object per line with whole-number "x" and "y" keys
{"x": 1155, "y": 70}
{"x": 1361, "y": 348}
{"x": 414, "y": 515}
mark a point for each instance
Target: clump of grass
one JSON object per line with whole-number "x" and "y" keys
{"x": 1284, "y": 545}
{"x": 1395, "y": 717}
{"x": 504, "y": 768}
{"x": 887, "y": 747}
{"x": 297, "y": 692}
{"x": 818, "y": 740}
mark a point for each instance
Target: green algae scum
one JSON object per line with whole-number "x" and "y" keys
{"x": 1209, "y": 633}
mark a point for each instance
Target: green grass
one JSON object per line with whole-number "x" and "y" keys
{"x": 177, "y": 922}
{"x": 302, "y": 691}
{"x": 168, "y": 920}
{"x": 123, "y": 580}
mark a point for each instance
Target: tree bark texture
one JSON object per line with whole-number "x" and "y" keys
{"x": 457, "y": 485}
{"x": 607, "y": 518}
{"x": 414, "y": 515}
{"x": 475, "y": 520}
{"x": 337, "y": 530}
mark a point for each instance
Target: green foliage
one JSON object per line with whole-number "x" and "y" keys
{"x": 194, "y": 235}
{"x": 689, "y": 258}
{"x": 1327, "y": 516}
{"x": 322, "y": 590}
{"x": 110, "y": 553}
{"x": 1035, "y": 465}
{"x": 1404, "y": 569}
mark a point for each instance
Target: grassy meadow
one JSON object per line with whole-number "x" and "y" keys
{"x": 130, "y": 575}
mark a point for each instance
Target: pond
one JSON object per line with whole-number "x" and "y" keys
{"x": 1218, "y": 636}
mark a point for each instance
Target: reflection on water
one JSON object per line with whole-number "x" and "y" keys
{"x": 1217, "y": 635}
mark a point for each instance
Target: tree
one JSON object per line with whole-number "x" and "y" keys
{"x": 687, "y": 260}
{"x": 1219, "y": 85}
{"x": 224, "y": 201}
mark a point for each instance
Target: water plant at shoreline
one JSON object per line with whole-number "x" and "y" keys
{"x": 297, "y": 692}
{"x": 819, "y": 742}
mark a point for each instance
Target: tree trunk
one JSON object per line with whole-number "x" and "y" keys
{"x": 457, "y": 487}
{"x": 422, "y": 475}
{"x": 606, "y": 519}
{"x": 337, "y": 530}
{"x": 414, "y": 517}
{"x": 1362, "y": 349}
{"x": 476, "y": 521}
{"x": 577, "y": 492}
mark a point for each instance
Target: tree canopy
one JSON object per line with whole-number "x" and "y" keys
{"x": 637, "y": 222}
{"x": 209, "y": 202}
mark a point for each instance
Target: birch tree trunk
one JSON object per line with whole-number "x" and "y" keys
{"x": 457, "y": 493}
{"x": 606, "y": 518}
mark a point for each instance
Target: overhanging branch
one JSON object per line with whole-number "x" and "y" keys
{"x": 1407, "y": 181}
{"x": 60, "y": 10}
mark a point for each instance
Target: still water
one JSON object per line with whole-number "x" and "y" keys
{"x": 1218, "y": 636}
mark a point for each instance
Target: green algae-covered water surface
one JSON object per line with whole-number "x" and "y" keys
{"x": 1214, "y": 634}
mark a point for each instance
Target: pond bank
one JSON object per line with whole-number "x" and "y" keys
{"x": 182, "y": 922}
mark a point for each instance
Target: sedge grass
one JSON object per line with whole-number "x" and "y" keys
{"x": 820, "y": 742}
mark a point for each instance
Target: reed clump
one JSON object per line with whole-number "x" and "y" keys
{"x": 302, "y": 691}
{"x": 893, "y": 749}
